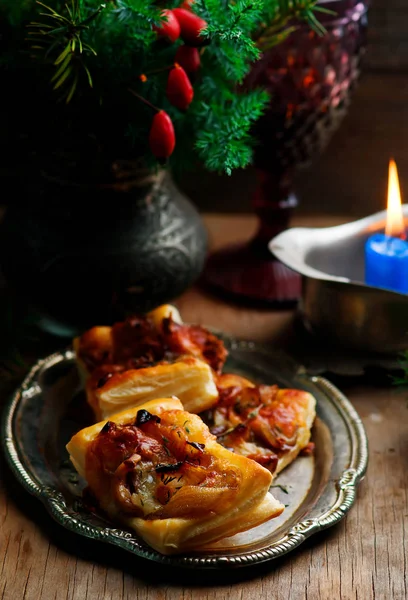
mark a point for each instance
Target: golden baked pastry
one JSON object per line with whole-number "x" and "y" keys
{"x": 165, "y": 311}
{"x": 264, "y": 423}
{"x": 110, "y": 390}
{"x": 92, "y": 349}
{"x": 145, "y": 357}
{"x": 145, "y": 340}
{"x": 158, "y": 470}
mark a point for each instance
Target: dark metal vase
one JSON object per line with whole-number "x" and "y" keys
{"x": 85, "y": 256}
{"x": 310, "y": 79}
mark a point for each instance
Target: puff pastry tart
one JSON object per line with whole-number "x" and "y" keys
{"x": 143, "y": 341}
{"x": 264, "y": 423}
{"x": 158, "y": 470}
{"x": 110, "y": 389}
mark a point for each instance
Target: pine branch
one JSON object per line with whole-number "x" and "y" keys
{"x": 87, "y": 46}
{"x": 58, "y": 39}
{"x": 232, "y": 46}
{"x": 130, "y": 11}
{"x": 224, "y": 144}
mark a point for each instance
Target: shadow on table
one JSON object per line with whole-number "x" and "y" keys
{"x": 152, "y": 573}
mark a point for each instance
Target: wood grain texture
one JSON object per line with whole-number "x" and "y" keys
{"x": 362, "y": 558}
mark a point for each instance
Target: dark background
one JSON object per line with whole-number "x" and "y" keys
{"x": 350, "y": 178}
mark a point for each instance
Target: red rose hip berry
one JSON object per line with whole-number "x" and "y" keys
{"x": 187, "y": 4}
{"x": 179, "y": 89}
{"x": 170, "y": 28}
{"x": 162, "y": 139}
{"x": 188, "y": 57}
{"x": 190, "y": 27}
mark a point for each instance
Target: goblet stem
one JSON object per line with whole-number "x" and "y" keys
{"x": 273, "y": 202}
{"x": 249, "y": 271}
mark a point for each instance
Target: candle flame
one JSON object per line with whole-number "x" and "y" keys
{"x": 395, "y": 219}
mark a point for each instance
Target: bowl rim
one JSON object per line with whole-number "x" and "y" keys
{"x": 285, "y": 247}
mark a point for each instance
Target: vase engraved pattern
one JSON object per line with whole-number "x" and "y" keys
{"x": 173, "y": 245}
{"x": 79, "y": 266}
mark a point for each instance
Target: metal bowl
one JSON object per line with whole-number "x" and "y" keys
{"x": 336, "y": 304}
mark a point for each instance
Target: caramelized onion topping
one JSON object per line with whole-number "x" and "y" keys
{"x": 137, "y": 343}
{"x": 195, "y": 341}
{"x": 249, "y": 417}
{"x": 168, "y": 468}
{"x": 147, "y": 464}
{"x": 103, "y": 380}
{"x": 109, "y": 426}
{"x": 143, "y": 416}
{"x": 197, "y": 446}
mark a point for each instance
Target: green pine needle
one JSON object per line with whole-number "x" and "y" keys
{"x": 226, "y": 145}
{"x": 63, "y": 34}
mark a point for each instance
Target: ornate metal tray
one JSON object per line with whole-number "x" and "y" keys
{"x": 317, "y": 490}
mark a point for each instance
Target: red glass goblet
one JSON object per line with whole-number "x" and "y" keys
{"x": 310, "y": 79}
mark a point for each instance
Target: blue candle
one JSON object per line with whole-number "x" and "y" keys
{"x": 386, "y": 254}
{"x": 386, "y": 262}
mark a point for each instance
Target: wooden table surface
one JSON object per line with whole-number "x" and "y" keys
{"x": 364, "y": 557}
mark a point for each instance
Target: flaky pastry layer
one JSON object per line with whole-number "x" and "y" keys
{"x": 189, "y": 379}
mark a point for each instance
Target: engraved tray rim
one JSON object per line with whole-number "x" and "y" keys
{"x": 55, "y": 503}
